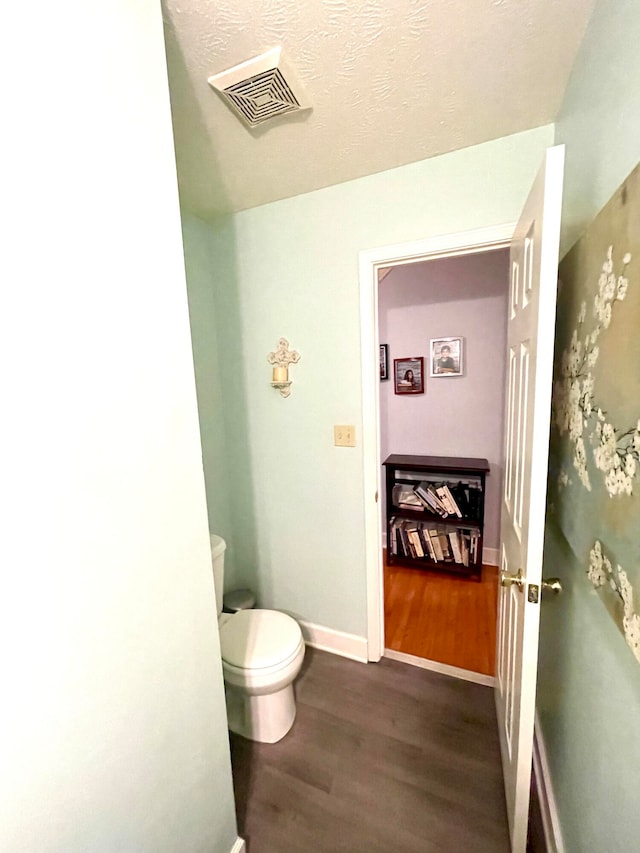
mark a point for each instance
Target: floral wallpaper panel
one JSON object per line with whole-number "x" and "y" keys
{"x": 594, "y": 489}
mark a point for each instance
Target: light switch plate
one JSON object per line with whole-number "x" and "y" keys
{"x": 344, "y": 436}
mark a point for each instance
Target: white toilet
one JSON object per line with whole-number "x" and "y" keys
{"x": 262, "y": 652}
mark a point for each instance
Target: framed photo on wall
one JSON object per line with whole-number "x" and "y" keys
{"x": 447, "y": 356}
{"x": 408, "y": 375}
{"x": 384, "y": 361}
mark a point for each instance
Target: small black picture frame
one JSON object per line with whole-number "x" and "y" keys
{"x": 384, "y": 361}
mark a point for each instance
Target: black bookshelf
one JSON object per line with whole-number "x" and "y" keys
{"x": 435, "y": 512}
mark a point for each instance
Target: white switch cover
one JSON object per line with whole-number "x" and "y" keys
{"x": 344, "y": 436}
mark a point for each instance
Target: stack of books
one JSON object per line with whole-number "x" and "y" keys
{"x": 422, "y": 540}
{"x": 461, "y": 500}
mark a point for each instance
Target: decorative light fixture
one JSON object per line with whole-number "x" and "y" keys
{"x": 281, "y": 359}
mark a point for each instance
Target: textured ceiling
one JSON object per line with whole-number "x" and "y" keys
{"x": 390, "y": 82}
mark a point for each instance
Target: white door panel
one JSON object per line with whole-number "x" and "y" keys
{"x": 534, "y": 266}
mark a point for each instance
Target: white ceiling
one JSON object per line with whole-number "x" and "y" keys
{"x": 390, "y": 82}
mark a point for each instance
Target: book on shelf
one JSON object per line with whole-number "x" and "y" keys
{"x": 404, "y": 496}
{"x": 415, "y": 539}
{"x": 444, "y": 500}
{"x": 399, "y": 544}
{"x": 404, "y": 541}
{"x": 427, "y": 493}
{"x": 454, "y": 541}
{"x": 473, "y": 548}
{"x": 474, "y": 502}
{"x": 435, "y": 544}
{"x": 452, "y": 502}
{"x": 407, "y": 533}
{"x": 444, "y": 546}
{"x": 464, "y": 549}
{"x": 426, "y": 505}
{"x": 471, "y": 538}
{"x": 461, "y": 494}
{"x": 427, "y": 547}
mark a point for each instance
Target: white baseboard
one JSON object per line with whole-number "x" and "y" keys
{"x": 238, "y": 846}
{"x": 338, "y": 642}
{"x": 491, "y": 556}
{"x": 548, "y": 807}
{"x": 354, "y": 647}
{"x": 442, "y": 668}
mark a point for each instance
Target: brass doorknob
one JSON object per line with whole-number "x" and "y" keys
{"x": 552, "y": 585}
{"x": 512, "y": 580}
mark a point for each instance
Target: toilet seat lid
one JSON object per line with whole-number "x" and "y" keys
{"x": 256, "y": 639}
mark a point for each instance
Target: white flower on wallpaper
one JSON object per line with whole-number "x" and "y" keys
{"x": 576, "y": 410}
{"x": 599, "y": 566}
{"x": 602, "y": 575}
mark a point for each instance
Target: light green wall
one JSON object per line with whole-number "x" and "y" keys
{"x": 588, "y": 705}
{"x": 113, "y": 734}
{"x": 291, "y": 269}
{"x": 600, "y": 118}
{"x": 199, "y": 265}
{"x": 589, "y": 682}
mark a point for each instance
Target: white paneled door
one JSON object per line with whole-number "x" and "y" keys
{"x": 532, "y": 301}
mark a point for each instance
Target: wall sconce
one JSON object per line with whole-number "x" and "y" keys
{"x": 281, "y": 359}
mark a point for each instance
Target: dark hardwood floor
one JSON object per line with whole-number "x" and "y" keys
{"x": 382, "y": 758}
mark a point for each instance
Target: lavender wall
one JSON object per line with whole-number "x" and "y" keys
{"x": 456, "y": 416}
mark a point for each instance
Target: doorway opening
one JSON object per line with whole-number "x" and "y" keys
{"x": 439, "y": 608}
{"x": 406, "y": 263}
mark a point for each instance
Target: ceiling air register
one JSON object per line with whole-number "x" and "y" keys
{"x": 261, "y": 88}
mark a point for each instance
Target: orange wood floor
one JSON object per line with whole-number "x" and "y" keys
{"x": 442, "y": 617}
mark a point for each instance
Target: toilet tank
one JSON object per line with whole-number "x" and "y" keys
{"x": 218, "y": 547}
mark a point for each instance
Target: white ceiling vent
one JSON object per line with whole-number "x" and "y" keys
{"x": 261, "y": 88}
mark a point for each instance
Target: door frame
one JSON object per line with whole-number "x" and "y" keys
{"x": 370, "y": 261}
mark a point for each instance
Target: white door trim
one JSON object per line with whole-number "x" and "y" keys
{"x": 370, "y": 260}
{"x": 548, "y": 806}
{"x": 442, "y": 668}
